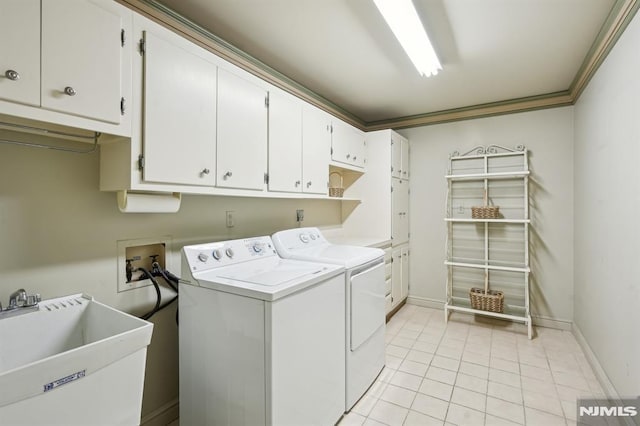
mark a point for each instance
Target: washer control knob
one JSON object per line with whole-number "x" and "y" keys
{"x": 229, "y": 252}
{"x": 304, "y": 238}
{"x": 202, "y": 257}
{"x": 217, "y": 254}
{"x": 313, "y": 236}
{"x": 257, "y": 248}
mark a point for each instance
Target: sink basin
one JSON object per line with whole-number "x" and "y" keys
{"x": 74, "y": 361}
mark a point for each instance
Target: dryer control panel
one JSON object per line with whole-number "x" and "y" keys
{"x": 292, "y": 239}
{"x": 207, "y": 256}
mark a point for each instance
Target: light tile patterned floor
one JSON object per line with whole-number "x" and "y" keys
{"x": 472, "y": 371}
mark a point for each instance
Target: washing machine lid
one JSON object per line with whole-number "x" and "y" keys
{"x": 268, "y": 278}
{"x": 282, "y": 273}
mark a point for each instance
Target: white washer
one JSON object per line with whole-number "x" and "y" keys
{"x": 364, "y": 302}
{"x": 261, "y": 338}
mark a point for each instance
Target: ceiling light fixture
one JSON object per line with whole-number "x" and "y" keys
{"x": 402, "y": 18}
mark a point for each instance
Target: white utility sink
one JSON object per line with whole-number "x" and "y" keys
{"x": 74, "y": 361}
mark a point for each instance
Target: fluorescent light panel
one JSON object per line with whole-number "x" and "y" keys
{"x": 402, "y": 18}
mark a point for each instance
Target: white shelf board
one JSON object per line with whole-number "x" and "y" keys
{"x": 495, "y": 175}
{"x": 525, "y": 319}
{"x": 487, "y": 267}
{"x": 469, "y": 220}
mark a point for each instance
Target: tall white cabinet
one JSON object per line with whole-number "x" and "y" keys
{"x": 384, "y": 208}
{"x": 399, "y": 218}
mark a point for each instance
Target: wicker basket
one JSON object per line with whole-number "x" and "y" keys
{"x": 336, "y": 188}
{"x": 486, "y": 211}
{"x": 491, "y": 300}
{"x": 485, "y": 299}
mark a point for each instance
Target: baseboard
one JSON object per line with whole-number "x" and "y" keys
{"x": 162, "y": 416}
{"x": 606, "y": 384}
{"x": 425, "y": 302}
{"x": 547, "y": 322}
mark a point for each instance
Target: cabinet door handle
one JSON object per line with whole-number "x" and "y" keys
{"x": 12, "y": 75}
{"x": 348, "y": 156}
{"x": 205, "y": 171}
{"x": 309, "y": 184}
{"x": 70, "y": 91}
{"x": 227, "y": 175}
{"x": 297, "y": 183}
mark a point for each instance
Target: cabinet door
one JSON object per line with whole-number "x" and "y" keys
{"x": 316, "y": 148}
{"x": 81, "y": 57}
{"x": 347, "y": 144}
{"x": 405, "y": 158}
{"x": 179, "y": 125}
{"x": 404, "y": 287}
{"x": 399, "y": 211}
{"x": 396, "y": 276}
{"x": 396, "y": 155}
{"x": 285, "y": 143}
{"x": 242, "y": 133}
{"x": 20, "y": 47}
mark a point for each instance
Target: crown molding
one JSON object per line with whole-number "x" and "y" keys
{"x": 621, "y": 14}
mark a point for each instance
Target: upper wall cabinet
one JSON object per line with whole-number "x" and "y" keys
{"x": 242, "y": 133}
{"x": 299, "y": 145}
{"x": 81, "y": 58}
{"x": 285, "y": 143}
{"x": 178, "y": 108}
{"x": 316, "y": 150}
{"x": 69, "y": 59}
{"x": 399, "y": 156}
{"x": 347, "y": 144}
{"x": 20, "y": 47}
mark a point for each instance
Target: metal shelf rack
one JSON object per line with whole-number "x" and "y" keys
{"x": 496, "y": 248}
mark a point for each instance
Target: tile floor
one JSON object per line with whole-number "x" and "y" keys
{"x": 474, "y": 371}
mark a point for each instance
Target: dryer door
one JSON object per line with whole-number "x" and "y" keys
{"x": 367, "y": 304}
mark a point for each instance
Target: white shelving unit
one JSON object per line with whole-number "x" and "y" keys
{"x": 495, "y": 248}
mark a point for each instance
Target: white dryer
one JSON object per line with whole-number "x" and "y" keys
{"x": 364, "y": 301}
{"x": 261, "y": 338}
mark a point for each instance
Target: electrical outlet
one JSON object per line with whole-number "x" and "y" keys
{"x": 299, "y": 215}
{"x": 231, "y": 221}
{"x": 140, "y": 253}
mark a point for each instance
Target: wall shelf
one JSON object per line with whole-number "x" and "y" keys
{"x": 481, "y": 176}
{"x": 488, "y": 256}
{"x": 469, "y": 220}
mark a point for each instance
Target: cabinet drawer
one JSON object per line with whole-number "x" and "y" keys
{"x": 387, "y": 303}
{"x": 387, "y": 287}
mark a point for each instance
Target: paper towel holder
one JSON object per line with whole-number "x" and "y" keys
{"x": 148, "y": 202}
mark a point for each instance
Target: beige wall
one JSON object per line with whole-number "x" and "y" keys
{"x": 58, "y": 236}
{"x": 548, "y": 135}
{"x": 607, "y": 203}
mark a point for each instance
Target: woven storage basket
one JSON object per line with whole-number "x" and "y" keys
{"x": 486, "y": 211}
{"x": 492, "y": 300}
{"x": 336, "y": 189}
{"x": 485, "y": 299}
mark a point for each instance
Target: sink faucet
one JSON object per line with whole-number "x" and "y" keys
{"x": 19, "y": 300}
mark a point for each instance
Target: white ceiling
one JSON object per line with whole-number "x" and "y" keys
{"x": 491, "y": 50}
